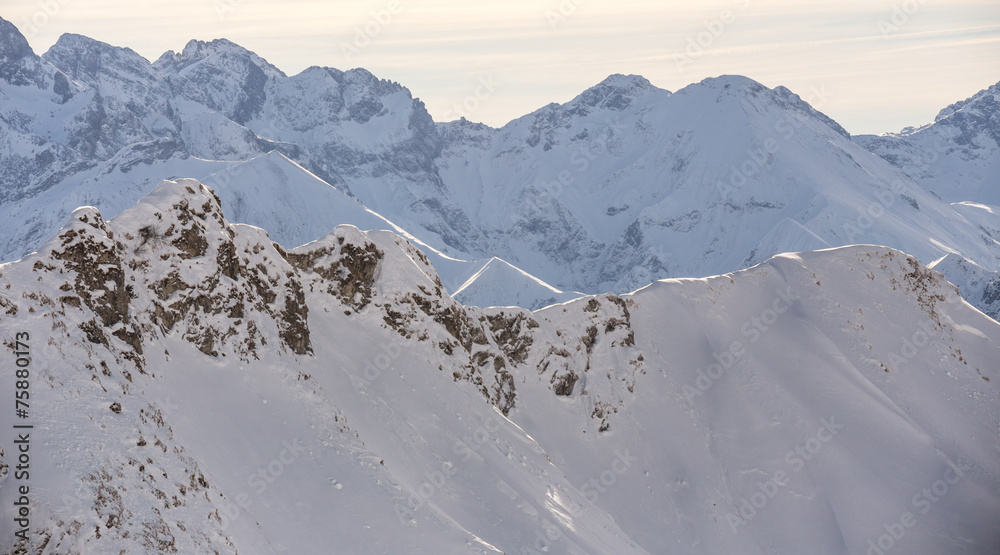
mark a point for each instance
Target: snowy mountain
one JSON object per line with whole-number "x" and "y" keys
{"x": 196, "y": 388}
{"x": 36, "y": 98}
{"x": 275, "y": 193}
{"x": 366, "y": 136}
{"x": 625, "y": 184}
{"x": 193, "y": 106}
{"x": 957, "y": 156}
{"x": 628, "y": 183}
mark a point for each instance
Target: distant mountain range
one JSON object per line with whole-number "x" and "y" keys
{"x": 259, "y": 313}
{"x": 625, "y": 184}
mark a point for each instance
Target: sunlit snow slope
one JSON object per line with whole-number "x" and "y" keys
{"x": 198, "y": 389}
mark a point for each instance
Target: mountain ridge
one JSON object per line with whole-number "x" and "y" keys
{"x": 602, "y": 193}
{"x": 340, "y": 374}
{"x": 957, "y": 156}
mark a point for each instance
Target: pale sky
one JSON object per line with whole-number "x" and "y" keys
{"x": 880, "y": 65}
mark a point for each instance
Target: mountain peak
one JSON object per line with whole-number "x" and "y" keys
{"x": 85, "y": 59}
{"x": 184, "y": 198}
{"x": 622, "y": 81}
{"x": 19, "y": 65}
{"x": 989, "y": 94}
{"x": 738, "y": 82}
{"x": 195, "y": 46}
{"x": 739, "y": 87}
{"x": 731, "y": 86}
{"x": 13, "y": 45}
{"x": 198, "y": 50}
{"x": 616, "y": 92}
{"x": 735, "y": 87}
{"x": 75, "y": 42}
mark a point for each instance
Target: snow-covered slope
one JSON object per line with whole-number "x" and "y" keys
{"x": 627, "y": 183}
{"x": 958, "y": 156}
{"x": 795, "y": 407}
{"x": 196, "y": 388}
{"x": 498, "y": 283}
{"x": 980, "y": 286}
{"x": 303, "y": 417}
{"x": 275, "y": 193}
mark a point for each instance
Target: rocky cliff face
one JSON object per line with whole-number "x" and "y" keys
{"x": 173, "y": 266}
{"x": 34, "y": 92}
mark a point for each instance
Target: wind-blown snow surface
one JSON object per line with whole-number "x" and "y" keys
{"x": 197, "y": 389}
